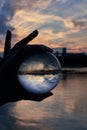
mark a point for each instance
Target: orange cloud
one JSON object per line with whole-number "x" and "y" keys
{"x": 76, "y": 25}
{"x": 25, "y": 22}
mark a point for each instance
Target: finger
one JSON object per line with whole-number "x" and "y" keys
{"x": 17, "y": 56}
{"x": 34, "y": 49}
{"x": 25, "y": 40}
{"x": 37, "y": 97}
{"x": 45, "y": 48}
{"x": 29, "y": 50}
{"x": 7, "y": 46}
{"x": 31, "y": 97}
{"x": 40, "y": 98}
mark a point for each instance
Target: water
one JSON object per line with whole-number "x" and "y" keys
{"x": 65, "y": 110}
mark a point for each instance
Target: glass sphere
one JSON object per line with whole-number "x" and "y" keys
{"x": 39, "y": 73}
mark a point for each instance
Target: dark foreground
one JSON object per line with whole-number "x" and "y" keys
{"x": 66, "y": 109}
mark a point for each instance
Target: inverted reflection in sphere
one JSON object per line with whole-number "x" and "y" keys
{"x": 39, "y": 73}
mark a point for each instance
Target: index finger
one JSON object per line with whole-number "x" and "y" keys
{"x": 25, "y": 40}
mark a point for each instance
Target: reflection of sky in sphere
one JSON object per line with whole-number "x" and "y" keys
{"x": 37, "y": 73}
{"x": 39, "y": 84}
{"x": 32, "y": 66}
{"x": 39, "y": 62}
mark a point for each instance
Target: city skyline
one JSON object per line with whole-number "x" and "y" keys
{"x": 61, "y": 23}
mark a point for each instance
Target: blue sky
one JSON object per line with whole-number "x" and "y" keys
{"x": 61, "y": 23}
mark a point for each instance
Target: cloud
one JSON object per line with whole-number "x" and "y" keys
{"x": 49, "y": 26}
{"x": 76, "y": 24}
{"x": 8, "y": 8}
{"x": 70, "y": 27}
{"x": 5, "y": 16}
{"x": 62, "y": 1}
{"x": 20, "y": 15}
{"x": 53, "y": 18}
{"x": 41, "y": 4}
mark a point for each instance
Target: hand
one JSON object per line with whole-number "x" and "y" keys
{"x": 10, "y": 88}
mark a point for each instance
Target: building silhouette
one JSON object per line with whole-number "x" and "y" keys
{"x": 71, "y": 59}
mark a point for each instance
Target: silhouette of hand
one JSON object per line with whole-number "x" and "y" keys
{"x": 10, "y": 88}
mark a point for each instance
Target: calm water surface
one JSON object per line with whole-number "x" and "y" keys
{"x": 65, "y": 110}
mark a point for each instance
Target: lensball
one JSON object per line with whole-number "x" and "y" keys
{"x": 39, "y": 73}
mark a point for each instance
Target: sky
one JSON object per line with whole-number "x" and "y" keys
{"x": 61, "y": 23}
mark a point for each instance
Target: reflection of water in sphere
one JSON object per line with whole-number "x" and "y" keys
{"x": 39, "y": 73}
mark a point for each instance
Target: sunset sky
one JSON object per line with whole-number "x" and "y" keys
{"x": 61, "y": 23}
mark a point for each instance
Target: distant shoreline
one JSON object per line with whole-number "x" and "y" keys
{"x": 79, "y": 70}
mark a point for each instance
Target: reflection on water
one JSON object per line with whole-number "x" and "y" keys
{"x": 66, "y": 109}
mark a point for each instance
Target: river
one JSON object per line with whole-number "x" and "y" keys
{"x": 66, "y": 109}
